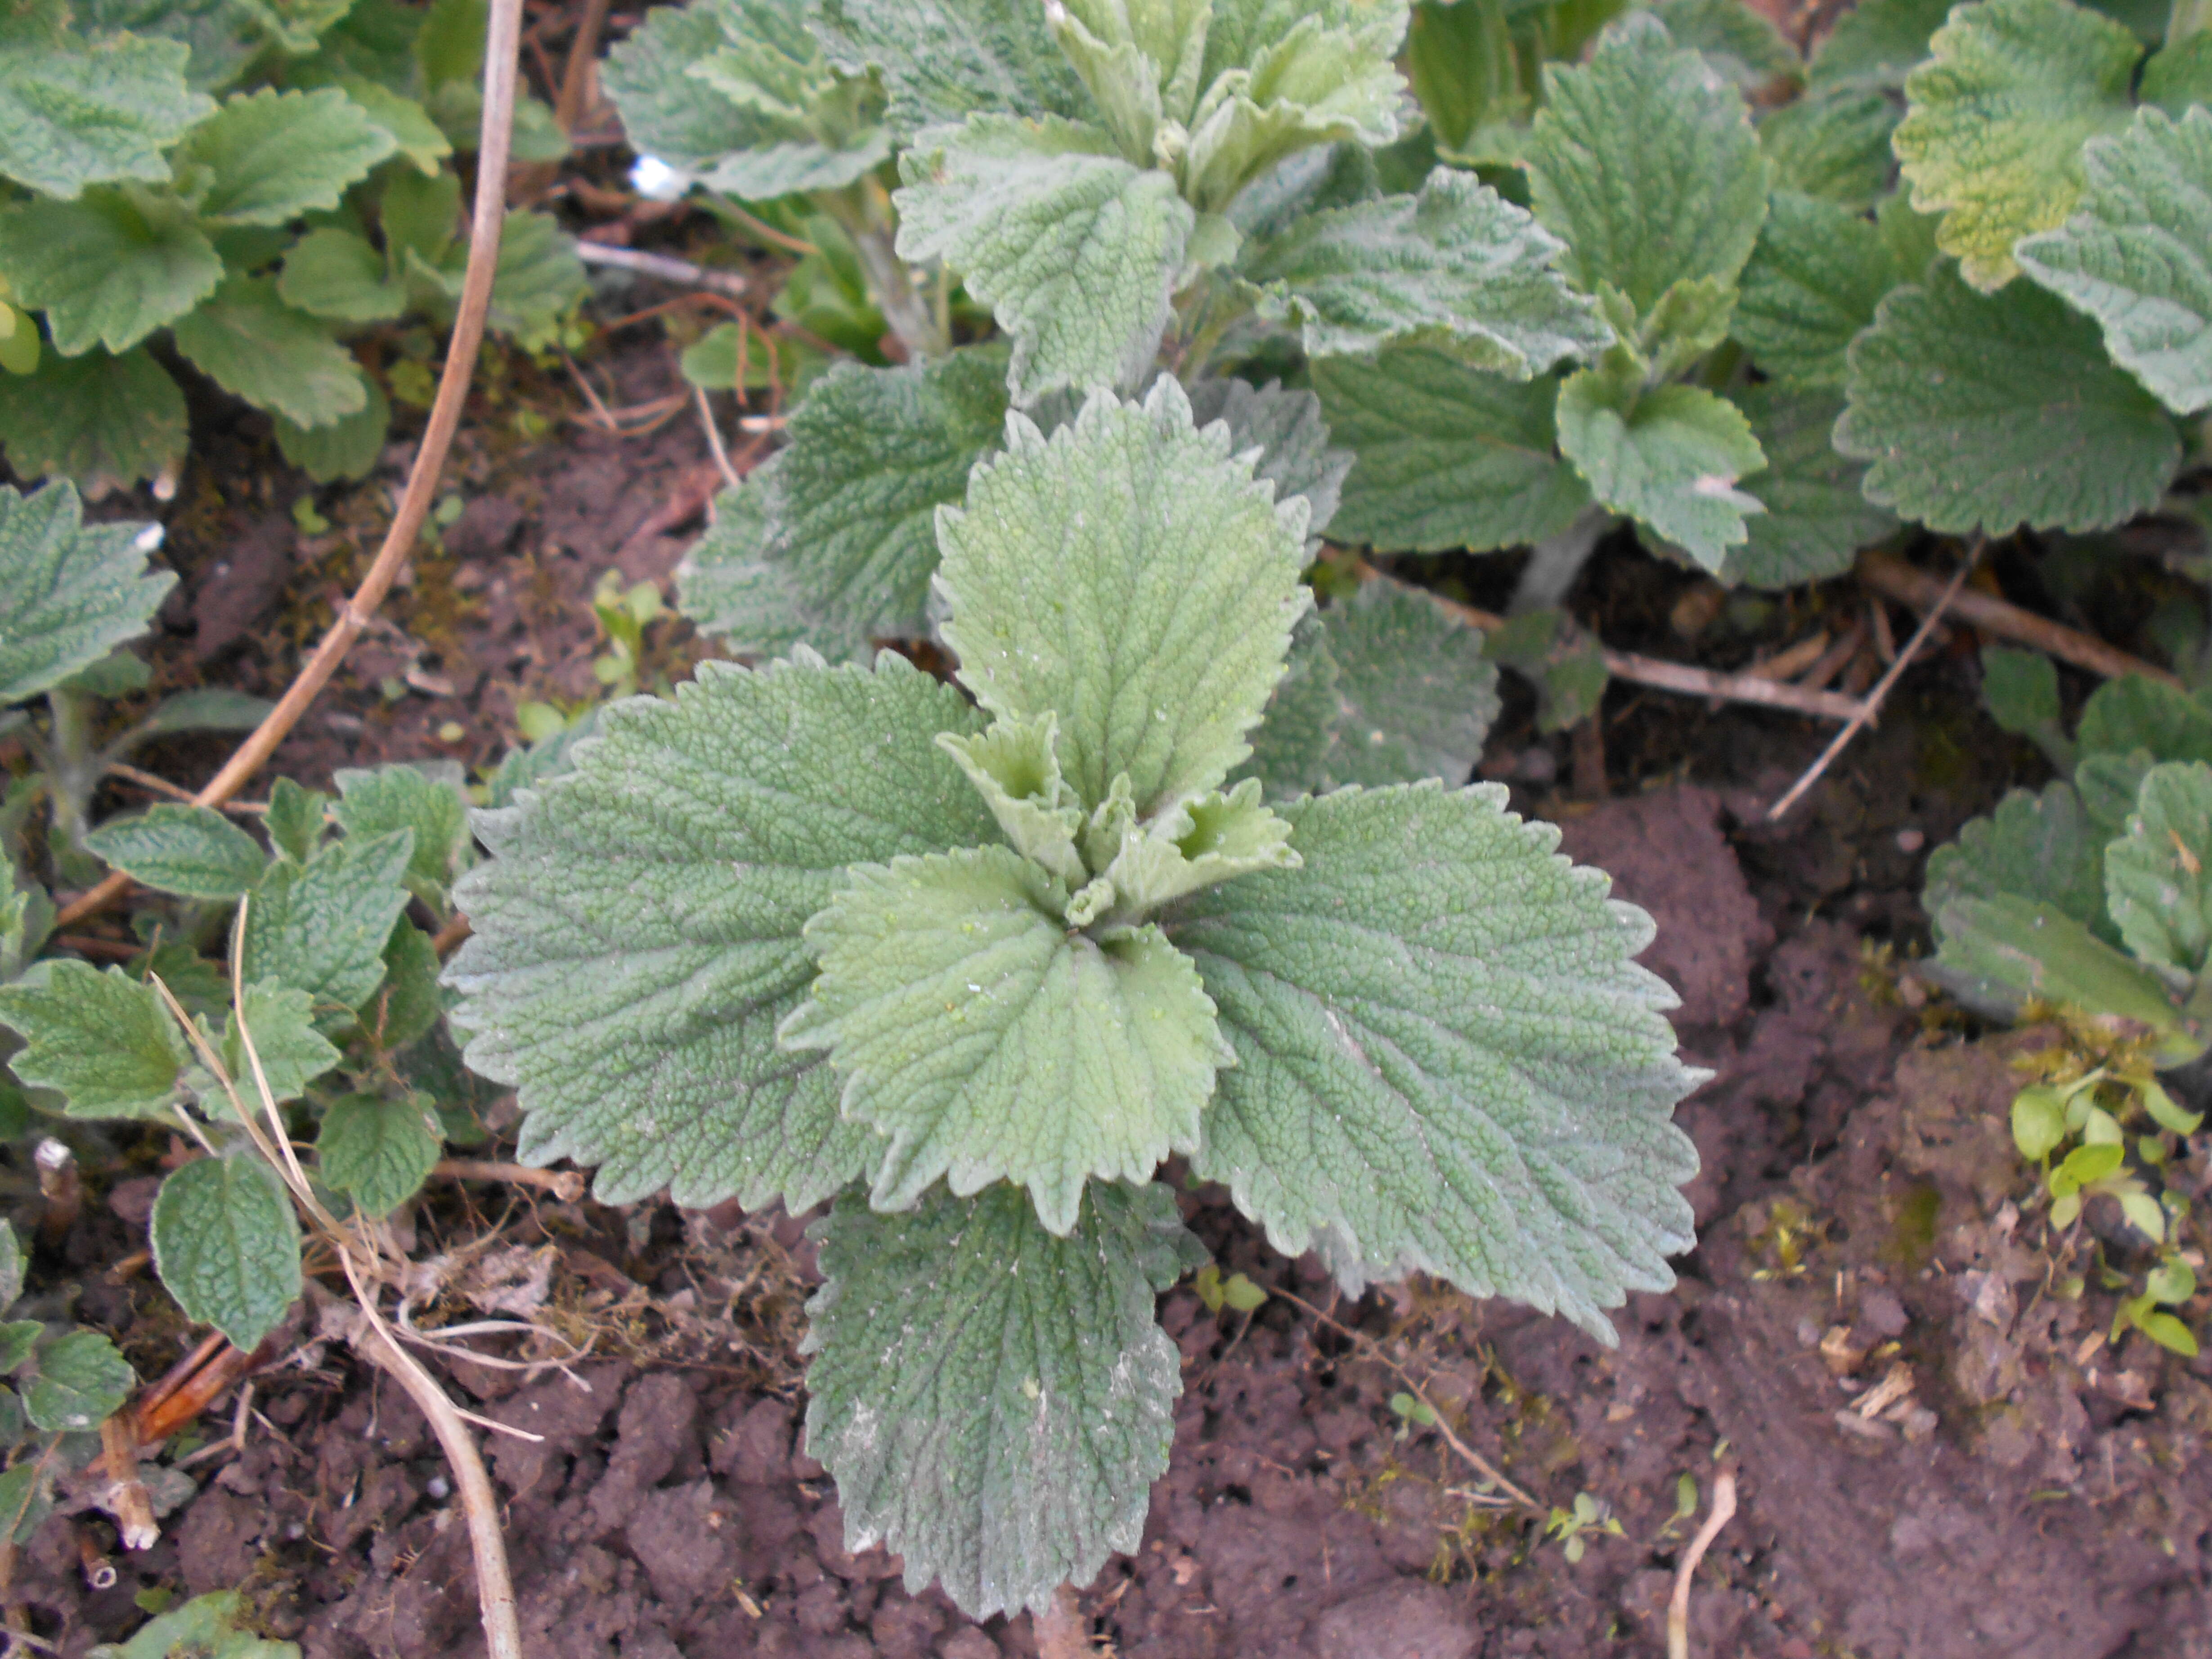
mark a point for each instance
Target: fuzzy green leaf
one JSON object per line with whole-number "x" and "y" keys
{"x": 638, "y": 929}
{"x": 945, "y": 60}
{"x": 851, "y": 501}
{"x": 1292, "y": 433}
{"x": 273, "y": 155}
{"x": 729, "y": 585}
{"x": 990, "y": 1041}
{"x": 2137, "y": 256}
{"x": 1817, "y": 516}
{"x": 2020, "y": 690}
{"x": 430, "y": 799}
{"x": 1993, "y": 136}
{"x": 1876, "y": 44}
{"x": 227, "y": 1245}
{"x": 82, "y": 1378}
{"x": 1669, "y": 458}
{"x": 349, "y": 448}
{"x": 1449, "y": 455}
{"x": 1646, "y": 166}
{"x": 1456, "y": 266}
{"x": 1994, "y": 410}
{"x": 1478, "y": 1086}
{"x": 995, "y": 1402}
{"x": 321, "y": 926}
{"x": 337, "y": 274}
{"x": 1382, "y": 687}
{"x": 1813, "y": 283}
{"x": 193, "y": 851}
{"x": 102, "y": 1039}
{"x": 74, "y": 112}
{"x": 2041, "y": 847}
{"x": 1834, "y": 144}
{"x": 2156, "y": 883}
{"x": 1127, "y": 575}
{"x": 70, "y": 592}
{"x": 1075, "y": 250}
{"x": 108, "y": 268}
{"x": 1015, "y": 770}
{"x": 254, "y": 346}
{"x": 293, "y": 1054}
{"x": 1742, "y": 44}
{"x": 99, "y": 420}
{"x": 1999, "y": 954}
{"x": 379, "y": 1151}
{"x": 212, "y": 1625}
{"x": 296, "y": 819}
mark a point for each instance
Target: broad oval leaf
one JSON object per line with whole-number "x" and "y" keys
{"x": 1814, "y": 279}
{"x": 74, "y": 112}
{"x": 1669, "y": 458}
{"x": 2137, "y": 257}
{"x": 992, "y": 1042}
{"x": 70, "y": 592}
{"x": 254, "y": 346}
{"x": 994, "y": 1401}
{"x": 321, "y": 926}
{"x": 2039, "y": 847}
{"x": 271, "y": 155}
{"x": 1447, "y": 1058}
{"x": 227, "y": 1245}
{"x": 102, "y": 1039}
{"x": 108, "y": 268}
{"x": 379, "y": 1152}
{"x": 193, "y": 851}
{"x": 1989, "y": 411}
{"x": 82, "y": 1378}
{"x": 638, "y": 929}
{"x": 1128, "y": 575}
{"x": 280, "y": 1019}
{"x": 98, "y": 420}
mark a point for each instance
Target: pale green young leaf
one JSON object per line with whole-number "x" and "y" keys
{"x": 2020, "y": 690}
{"x": 280, "y": 1019}
{"x": 1817, "y": 516}
{"x": 81, "y": 1377}
{"x": 1833, "y": 143}
{"x": 1128, "y": 575}
{"x": 207, "y": 708}
{"x": 100, "y": 421}
{"x": 377, "y": 1150}
{"x": 320, "y": 927}
{"x": 1993, "y": 134}
{"x": 1450, "y": 457}
{"x": 995, "y": 1402}
{"x": 11, "y": 1267}
{"x": 1241, "y": 32}
{"x": 2133, "y": 714}
{"x": 103, "y": 1040}
{"x": 337, "y": 274}
{"x": 108, "y": 268}
{"x": 1123, "y": 79}
{"x": 1292, "y": 433}
{"x": 1385, "y": 687}
{"x": 2178, "y": 77}
{"x": 1743, "y": 46}
{"x": 429, "y": 797}
{"x": 1075, "y": 251}
{"x": 852, "y": 499}
{"x": 412, "y": 132}
{"x": 1669, "y": 458}
{"x": 2157, "y": 884}
{"x": 296, "y": 819}
{"x": 193, "y": 851}
{"x": 273, "y": 155}
{"x": 349, "y": 448}
{"x": 1813, "y": 283}
{"x": 945, "y": 60}
{"x": 1644, "y": 163}
{"x": 991, "y": 1043}
{"x": 227, "y": 1245}
{"x": 1875, "y": 45}
{"x": 1456, "y": 266}
{"x": 1999, "y": 954}
{"x": 1992, "y": 411}
{"x": 70, "y": 592}
{"x": 74, "y": 112}
{"x": 2137, "y": 256}
{"x": 731, "y": 588}
{"x": 2041, "y": 847}
{"x": 1479, "y": 1089}
{"x": 1200, "y": 841}
{"x": 638, "y": 929}
{"x": 252, "y": 344}
{"x": 1015, "y": 770}
{"x": 212, "y": 1625}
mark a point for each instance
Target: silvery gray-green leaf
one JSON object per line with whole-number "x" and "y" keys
{"x": 1457, "y": 267}
{"x": 1075, "y": 251}
{"x": 101, "y": 1039}
{"x": 1817, "y": 517}
{"x": 2157, "y": 884}
{"x": 637, "y": 928}
{"x": 945, "y": 60}
{"x": 994, "y": 1401}
{"x": 193, "y": 851}
{"x": 1128, "y": 575}
{"x": 728, "y": 586}
{"x": 1447, "y": 1058}
{"x": 2041, "y": 847}
{"x": 70, "y": 592}
{"x": 1291, "y": 432}
{"x": 1450, "y": 457}
{"x": 1670, "y": 457}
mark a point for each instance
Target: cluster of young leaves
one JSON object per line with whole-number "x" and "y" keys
{"x": 250, "y": 182}
{"x": 975, "y": 970}
{"x": 2089, "y": 893}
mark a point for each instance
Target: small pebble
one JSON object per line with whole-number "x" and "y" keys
{"x": 437, "y": 1487}
{"x": 1910, "y": 841}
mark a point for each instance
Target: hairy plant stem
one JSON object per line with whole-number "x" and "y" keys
{"x": 1555, "y": 562}
{"x": 72, "y": 764}
{"x": 863, "y": 212}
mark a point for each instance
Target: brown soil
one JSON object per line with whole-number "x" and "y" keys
{"x": 2034, "y": 1491}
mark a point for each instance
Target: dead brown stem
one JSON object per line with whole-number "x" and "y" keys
{"x": 1678, "y": 1608}
{"x": 567, "y": 1185}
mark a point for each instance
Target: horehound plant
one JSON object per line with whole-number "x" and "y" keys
{"x": 975, "y": 970}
